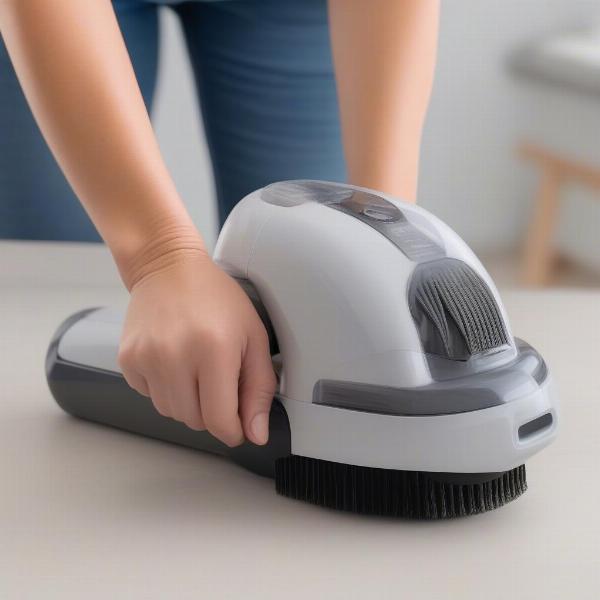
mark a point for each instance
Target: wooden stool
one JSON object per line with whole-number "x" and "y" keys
{"x": 554, "y": 171}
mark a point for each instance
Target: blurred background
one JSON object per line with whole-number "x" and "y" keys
{"x": 488, "y": 99}
{"x": 511, "y": 149}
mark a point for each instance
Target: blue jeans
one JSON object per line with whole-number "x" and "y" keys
{"x": 267, "y": 96}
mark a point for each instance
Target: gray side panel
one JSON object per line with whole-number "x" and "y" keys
{"x": 474, "y": 391}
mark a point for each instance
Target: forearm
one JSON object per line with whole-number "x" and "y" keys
{"x": 384, "y": 56}
{"x": 75, "y": 71}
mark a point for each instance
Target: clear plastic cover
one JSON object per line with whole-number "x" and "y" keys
{"x": 368, "y": 207}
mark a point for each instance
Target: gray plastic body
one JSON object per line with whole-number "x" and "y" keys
{"x": 103, "y": 396}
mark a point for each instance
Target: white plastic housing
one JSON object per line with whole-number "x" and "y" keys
{"x": 335, "y": 290}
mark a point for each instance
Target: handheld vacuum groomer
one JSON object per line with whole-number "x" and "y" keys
{"x": 401, "y": 391}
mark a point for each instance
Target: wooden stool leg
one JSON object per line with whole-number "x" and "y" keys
{"x": 539, "y": 253}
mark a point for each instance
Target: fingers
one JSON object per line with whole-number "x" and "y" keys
{"x": 159, "y": 394}
{"x": 186, "y": 402}
{"x": 136, "y": 381}
{"x": 174, "y": 393}
{"x": 218, "y": 373}
{"x": 207, "y": 367}
{"x": 172, "y": 389}
{"x": 127, "y": 360}
{"x": 256, "y": 389}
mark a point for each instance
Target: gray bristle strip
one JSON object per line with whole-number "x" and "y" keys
{"x": 458, "y": 292}
{"x": 408, "y": 494}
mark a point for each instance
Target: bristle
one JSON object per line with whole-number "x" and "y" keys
{"x": 385, "y": 492}
{"x": 450, "y": 289}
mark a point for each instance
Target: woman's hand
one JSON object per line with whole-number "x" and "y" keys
{"x": 193, "y": 342}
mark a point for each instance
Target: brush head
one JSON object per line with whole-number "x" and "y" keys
{"x": 385, "y": 492}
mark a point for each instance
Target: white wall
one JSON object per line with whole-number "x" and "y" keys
{"x": 568, "y": 123}
{"x": 469, "y": 175}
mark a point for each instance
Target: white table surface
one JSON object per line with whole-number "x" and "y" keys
{"x": 90, "y": 512}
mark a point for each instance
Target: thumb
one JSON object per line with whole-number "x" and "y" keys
{"x": 256, "y": 388}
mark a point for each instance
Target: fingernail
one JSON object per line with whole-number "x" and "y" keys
{"x": 260, "y": 428}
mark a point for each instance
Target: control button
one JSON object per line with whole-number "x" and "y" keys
{"x": 380, "y": 213}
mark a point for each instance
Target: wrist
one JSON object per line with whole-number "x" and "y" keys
{"x": 160, "y": 249}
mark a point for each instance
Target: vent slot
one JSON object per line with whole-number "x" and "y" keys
{"x": 535, "y": 426}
